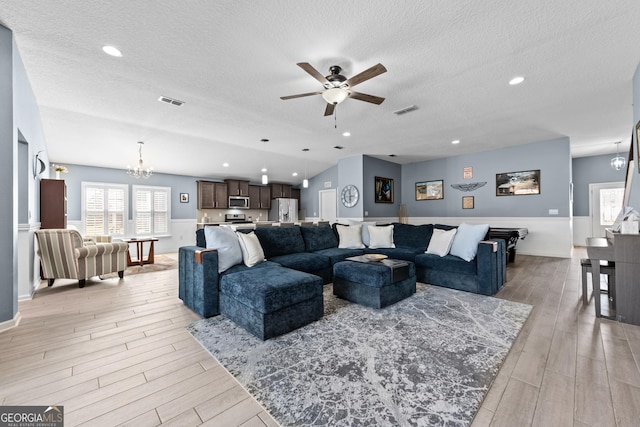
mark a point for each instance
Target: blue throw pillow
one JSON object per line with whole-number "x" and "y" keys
{"x": 465, "y": 242}
{"x": 224, "y": 240}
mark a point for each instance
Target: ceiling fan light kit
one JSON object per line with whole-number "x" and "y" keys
{"x": 335, "y": 95}
{"x": 337, "y": 87}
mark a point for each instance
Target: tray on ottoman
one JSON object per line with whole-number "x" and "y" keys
{"x": 375, "y": 284}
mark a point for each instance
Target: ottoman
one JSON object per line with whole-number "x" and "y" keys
{"x": 373, "y": 284}
{"x": 271, "y": 301}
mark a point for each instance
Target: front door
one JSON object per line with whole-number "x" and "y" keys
{"x": 328, "y": 205}
{"x": 605, "y": 203}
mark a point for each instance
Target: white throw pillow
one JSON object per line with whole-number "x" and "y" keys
{"x": 350, "y": 236}
{"x": 224, "y": 240}
{"x": 465, "y": 242}
{"x": 252, "y": 252}
{"x": 365, "y": 229}
{"x": 381, "y": 237}
{"x": 441, "y": 241}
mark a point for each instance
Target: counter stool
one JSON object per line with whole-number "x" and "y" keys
{"x": 606, "y": 267}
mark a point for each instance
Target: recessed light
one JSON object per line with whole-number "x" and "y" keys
{"x": 392, "y": 155}
{"x": 346, "y": 134}
{"x": 305, "y": 149}
{"x": 516, "y": 80}
{"x": 263, "y": 170}
{"x": 225, "y": 165}
{"x": 455, "y": 141}
{"x": 338, "y": 147}
{"x": 294, "y": 174}
{"x": 112, "y": 50}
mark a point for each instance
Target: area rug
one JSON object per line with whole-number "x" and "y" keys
{"x": 427, "y": 360}
{"x": 160, "y": 263}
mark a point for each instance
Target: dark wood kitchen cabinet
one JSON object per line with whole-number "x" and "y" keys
{"x": 236, "y": 187}
{"x": 212, "y": 195}
{"x": 259, "y": 197}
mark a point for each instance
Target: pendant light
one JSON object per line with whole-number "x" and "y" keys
{"x": 265, "y": 178}
{"x": 305, "y": 181}
{"x": 618, "y": 162}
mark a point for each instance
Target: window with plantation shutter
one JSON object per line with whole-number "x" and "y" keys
{"x": 104, "y": 209}
{"x": 151, "y": 210}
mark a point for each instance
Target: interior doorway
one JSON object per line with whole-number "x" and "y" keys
{"x": 605, "y": 202}
{"x": 328, "y": 205}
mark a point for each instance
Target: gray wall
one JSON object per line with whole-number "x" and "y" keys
{"x": 309, "y": 196}
{"x": 373, "y": 167}
{"x": 19, "y": 115}
{"x": 553, "y": 158}
{"x": 634, "y": 199}
{"x": 8, "y": 157}
{"x": 350, "y": 172}
{"x": 178, "y": 183}
{"x": 591, "y": 170}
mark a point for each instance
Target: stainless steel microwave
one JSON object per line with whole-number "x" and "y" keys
{"x": 238, "y": 202}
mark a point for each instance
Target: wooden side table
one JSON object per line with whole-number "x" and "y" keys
{"x": 140, "y": 259}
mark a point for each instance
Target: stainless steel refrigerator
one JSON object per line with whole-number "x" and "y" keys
{"x": 284, "y": 210}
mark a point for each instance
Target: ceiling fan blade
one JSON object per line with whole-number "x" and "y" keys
{"x": 329, "y": 110}
{"x": 300, "y": 95}
{"x": 367, "y": 74}
{"x": 312, "y": 72}
{"x": 366, "y": 98}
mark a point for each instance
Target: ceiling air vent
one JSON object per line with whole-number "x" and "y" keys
{"x": 171, "y": 101}
{"x": 405, "y": 110}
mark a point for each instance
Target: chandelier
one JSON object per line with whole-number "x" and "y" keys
{"x": 618, "y": 162}
{"x": 139, "y": 171}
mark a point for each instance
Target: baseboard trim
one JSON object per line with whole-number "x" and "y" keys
{"x": 10, "y": 324}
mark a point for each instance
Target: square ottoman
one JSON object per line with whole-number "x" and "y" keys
{"x": 372, "y": 284}
{"x": 271, "y": 301}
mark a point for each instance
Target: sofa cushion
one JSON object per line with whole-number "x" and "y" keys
{"x": 396, "y": 253}
{"x": 381, "y": 237}
{"x": 318, "y": 238}
{"x": 441, "y": 241}
{"x": 270, "y": 289}
{"x": 225, "y": 241}
{"x": 349, "y": 236}
{"x": 242, "y": 267}
{"x": 303, "y": 261}
{"x": 465, "y": 242}
{"x": 339, "y": 254}
{"x": 447, "y": 263}
{"x": 278, "y": 241}
{"x": 412, "y": 236}
{"x": 252, "y": 252}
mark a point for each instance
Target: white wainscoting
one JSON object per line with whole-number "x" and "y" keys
{"x": 183, "y": 233}
{"x": 581, "y": 230}
{"x": 550, "y": 237}
{"x": 28, "y": 261}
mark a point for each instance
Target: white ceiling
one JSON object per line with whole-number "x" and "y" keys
{"x": 230, "y": 61}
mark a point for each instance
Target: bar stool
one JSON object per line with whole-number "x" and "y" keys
{"x": 606, "y": 267}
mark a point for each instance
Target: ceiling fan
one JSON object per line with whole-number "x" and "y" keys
{"x": 337, "y": 87}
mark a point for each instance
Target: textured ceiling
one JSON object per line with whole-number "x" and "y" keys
{"x": 230, "y": 61}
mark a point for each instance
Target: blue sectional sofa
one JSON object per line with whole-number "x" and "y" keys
{"x": 253, "y": 296}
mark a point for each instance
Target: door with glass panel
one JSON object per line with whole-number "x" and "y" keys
{"x": 605, "y": 203}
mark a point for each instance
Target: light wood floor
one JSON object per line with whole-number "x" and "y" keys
{"x": 116, "y": 353}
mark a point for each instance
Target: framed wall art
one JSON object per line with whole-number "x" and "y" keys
{"x": 430, "y": 190}
{"x": 184, "y": 197}
{"x": 384, "y": 190}
{"x": 467, "y": 202}
{"x": 518, "y": 183}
